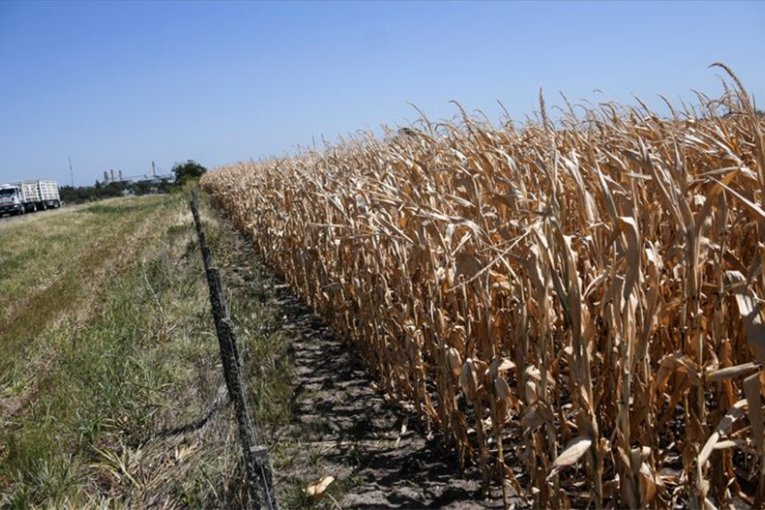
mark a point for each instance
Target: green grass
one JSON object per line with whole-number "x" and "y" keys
{"x": 110, "y": 343}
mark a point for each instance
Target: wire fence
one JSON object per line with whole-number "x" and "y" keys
{"x": 257, "y": 461}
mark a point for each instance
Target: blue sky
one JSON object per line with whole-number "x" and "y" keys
{"x": 120, "y": 84}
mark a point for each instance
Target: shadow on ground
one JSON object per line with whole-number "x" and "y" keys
{"x": 344, "y": 427}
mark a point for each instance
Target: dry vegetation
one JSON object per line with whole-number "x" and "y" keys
{"x": 111, "y": 393}
{"x": 576, "y": 307}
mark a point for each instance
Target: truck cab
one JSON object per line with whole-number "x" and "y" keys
{"x": 11, "y": 200}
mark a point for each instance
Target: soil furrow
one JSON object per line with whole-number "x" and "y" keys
{"x": 344, "y": 427}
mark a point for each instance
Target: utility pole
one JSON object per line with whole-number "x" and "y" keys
{"x": 71, "y": 172}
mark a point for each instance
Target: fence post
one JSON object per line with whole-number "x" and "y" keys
{"x": 257, "y": 462}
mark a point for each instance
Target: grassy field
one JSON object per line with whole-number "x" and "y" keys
{"x": 108, "y": 352}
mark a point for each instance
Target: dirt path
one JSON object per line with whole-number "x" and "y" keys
{"x": 343, "y": 427}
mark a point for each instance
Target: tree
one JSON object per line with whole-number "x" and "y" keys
{"x": 190, "y": 170}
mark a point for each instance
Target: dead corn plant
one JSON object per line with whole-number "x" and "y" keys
{"x": 577, "y": 307}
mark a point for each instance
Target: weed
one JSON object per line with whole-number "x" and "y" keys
{"x": 114, "y": 347}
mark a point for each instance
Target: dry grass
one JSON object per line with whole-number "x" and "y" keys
{"x": 575, "y": 306}
{"x": 110, "y": 360}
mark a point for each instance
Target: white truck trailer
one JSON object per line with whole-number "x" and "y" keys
{"x": 29, "y": 196}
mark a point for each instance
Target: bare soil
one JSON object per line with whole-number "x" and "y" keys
{"x": 343, "y": 426}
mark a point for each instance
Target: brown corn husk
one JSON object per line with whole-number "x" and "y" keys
{"x": 577, "y": 307}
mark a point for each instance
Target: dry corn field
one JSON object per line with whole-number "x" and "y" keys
{"x": 575, "y": 306}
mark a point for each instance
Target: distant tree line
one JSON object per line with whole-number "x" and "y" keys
{"x": 79, "y": 194}
{"x": 184, "y": 172}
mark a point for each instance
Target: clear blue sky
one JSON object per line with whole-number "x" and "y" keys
{"x": 119, "y": 84}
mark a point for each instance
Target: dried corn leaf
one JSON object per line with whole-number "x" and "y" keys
{"x": 317, "y": 490}
{"x": 571, "y": 455}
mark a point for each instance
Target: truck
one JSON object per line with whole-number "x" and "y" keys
{"x": 29, "y": 196}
